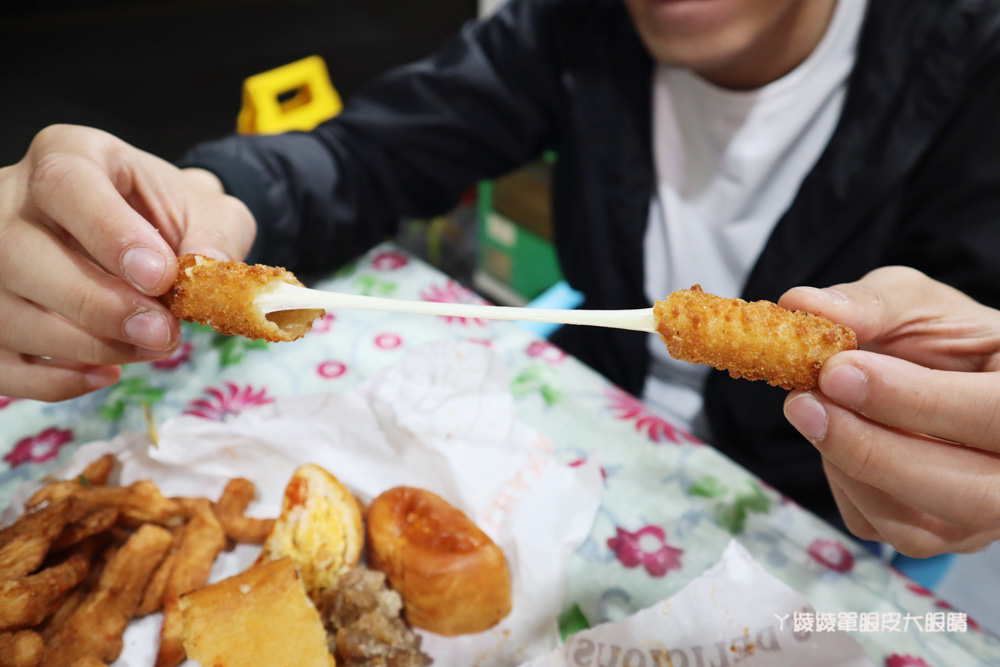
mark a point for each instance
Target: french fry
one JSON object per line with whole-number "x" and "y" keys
{"x": 95, "y": 628}
{"x": 92, "y": 523}
{"x": 140, "y": 502}
{"x": 230, "y": 508}
{"x": 89, "y": 661}
{"x": 24, "y": 544}
{"x": 21, "y": 649}
{"x": 201, "y": 541}
{"x": 99, "y": 471}
{"x": 105, "y": 549}
{"x": 152, "y": 597}
{"x": 26, "y": 601}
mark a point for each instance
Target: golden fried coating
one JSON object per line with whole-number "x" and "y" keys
{"x": 221, "y": 295}
{"x": 756, "y": 340}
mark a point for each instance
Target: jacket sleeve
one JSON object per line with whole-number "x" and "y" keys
{"x": 950, "y": 222}
{"x": 409, "y": 144}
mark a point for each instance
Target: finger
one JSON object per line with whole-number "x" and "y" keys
{"x": 957, "y": 406}
{"x": 51, "y": 380}
{"x": 956, "y": 483}
{"x": 81, "y": 292}
{"x": 911, "y": 531}
{"x": 228, "y": 236}
{"x": 230, "y": 231}
{"x": 86, "y": 199}
{"x": 31, "y": 330}
{"x": 883, "y": 301}
{"x": 853, "y": 518}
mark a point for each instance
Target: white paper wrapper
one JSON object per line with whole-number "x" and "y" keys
{"x": 734, "y": 613}
{"x": 442, "y": 419}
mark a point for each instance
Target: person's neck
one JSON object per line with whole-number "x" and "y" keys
{"x": 783, "y": 49}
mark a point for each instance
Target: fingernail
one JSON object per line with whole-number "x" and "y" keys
{"x": 845, "y": 384}
{"x": 101, "y": 376}
{"x": 148, "y": 329}
{"x": 143, "y": 267}
{"x": 808, "y": 416}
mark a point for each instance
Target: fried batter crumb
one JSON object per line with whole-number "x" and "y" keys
{"x": 365, "y": 625}
{"x": 756, "y": 340}
{"x": 221, "y": 295}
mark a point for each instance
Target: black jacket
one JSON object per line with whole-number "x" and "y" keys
{"x": 911, "y": 175}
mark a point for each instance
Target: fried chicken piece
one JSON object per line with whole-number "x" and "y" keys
{"x": 221, "y": 295}
{"x": 756, "y": 340}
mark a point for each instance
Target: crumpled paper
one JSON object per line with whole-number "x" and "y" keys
{"x": 442, "y": 419}
{"x": 733, "y": 613}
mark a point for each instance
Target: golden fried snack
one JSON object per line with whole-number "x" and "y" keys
{"x": 27, "y": 601}
{"x": 201, "y": 540}
{"x": 95, "y": 628}
{"x": 452, "y": 577}
{"x": 24, "y": 544}
{"x": 98, "y": 471}
{"x": 230, "y": 508}
{"x": 92, "y": 523}
{"x": 152, "y": 597}
{"x": 21, "y": 649}
{"x": 259, "y": 617}
{"x": 139, "y": 502}
{"x": 319, "y": 528}
{"x": 756, "y": 340}
{"x": 221, "y": 295}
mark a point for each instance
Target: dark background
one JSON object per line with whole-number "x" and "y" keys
{"x": 165, "y": 74}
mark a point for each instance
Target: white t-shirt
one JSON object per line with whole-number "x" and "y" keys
{"x": 728, "y": 165}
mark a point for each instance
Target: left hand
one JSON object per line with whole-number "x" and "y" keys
{"x": 908, "y": 425}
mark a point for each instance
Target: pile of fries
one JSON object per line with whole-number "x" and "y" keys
{"x": 86, "y": 557}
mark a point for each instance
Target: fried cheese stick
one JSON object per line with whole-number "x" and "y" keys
{"x": 221, "y": 295}
{"x": 756, "y": 340}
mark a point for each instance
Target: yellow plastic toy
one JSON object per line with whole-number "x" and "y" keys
{"x": 296, "y": 96}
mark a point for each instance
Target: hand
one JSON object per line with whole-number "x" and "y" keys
{"x": 907, "y": 426}
{"x": 89, "y": 226}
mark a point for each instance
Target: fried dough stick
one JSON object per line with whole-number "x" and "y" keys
{"x": 140, "y": 502}
{"x": 221, "y": 295}
{"x": 94, "y": 629}
{"x": 27, "y": 601}
{"x": 21, "y": 649}
{"x": 756, "y": 340}
{"x": 230, "y": 508}
{"x": 201, "y": 540}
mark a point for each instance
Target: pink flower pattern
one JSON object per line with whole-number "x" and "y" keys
{"x": 546, "y": 351}
{"x": 634, "y": 549}
{"x": 180, "y": 357}
{"x": 323, "y": 324}
{"x": 388, "y": 341}
{"x": 331, "y": 369}
{"x": 5, "y": 401}
{"x": 896, "y": 660}
{"x": 389, "y": 261}
{"x": 629, "y": 408}
{"x": 38, "y": 448}
{"x": 222, "y": 403}
{"x": 453, "y": 292}
{"x": 831, "y": 554}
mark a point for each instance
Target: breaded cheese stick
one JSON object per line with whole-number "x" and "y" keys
{"x": 221, "y": 295}
{"x": 756, "y": 340}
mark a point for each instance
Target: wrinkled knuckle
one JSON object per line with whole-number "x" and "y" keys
{"x": 82, "y": 304}
{"x": 48, "y": 174}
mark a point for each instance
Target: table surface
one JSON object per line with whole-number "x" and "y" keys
{"x": 670, "y": 506}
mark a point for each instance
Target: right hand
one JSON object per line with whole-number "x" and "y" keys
{"x": 90, "y": 230}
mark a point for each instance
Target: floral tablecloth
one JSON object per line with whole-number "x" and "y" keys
{"x": 670, "y": 505}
